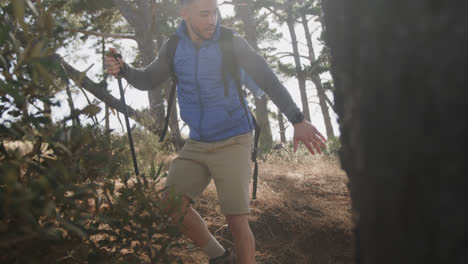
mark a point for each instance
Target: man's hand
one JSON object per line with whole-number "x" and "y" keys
{"x": 113, "y": 66}
{"x": 306, "y": 133}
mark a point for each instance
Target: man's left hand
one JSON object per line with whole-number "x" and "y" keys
{"x": 306, "y": 133}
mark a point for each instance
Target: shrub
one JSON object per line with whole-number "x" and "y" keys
{"x": 60, "y": 199}
{"x": 333, "y": 147}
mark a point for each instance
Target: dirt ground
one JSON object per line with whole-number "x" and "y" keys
{"x": 302, "y": 214}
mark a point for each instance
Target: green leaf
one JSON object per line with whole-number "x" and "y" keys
{"x": 91, "y": 110}
{"x": 14, "y": 113}
{"x": 44, "y": 73}
{"x": 152, "y": 172}
{"x": 4, "y": 3}
{"x": 159, "y": 171}
{"x": 173, "y": 230}
{"x": 3, "y": 60}
{"x": 32, "y": 7}
{"x": 40, "y": 120}
{"x": 14, "y": 92}
{"x": 18, "y": 10}
{"x": 14, "y": 132}
{"x": 63, "y": 149}
{"x": 4, "y": 29}
{"x": 24, "y": 55}
{"x": 47, "y": 22}
{"x": 36, "y": 51}
{"x": 75, "y": 229}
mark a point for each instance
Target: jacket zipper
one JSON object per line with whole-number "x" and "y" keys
{"x": 202, "y": 108}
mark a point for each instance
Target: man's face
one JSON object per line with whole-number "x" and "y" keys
{"x": 201, "y": 17}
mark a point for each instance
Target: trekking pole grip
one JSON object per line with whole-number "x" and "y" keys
{"x": 118, "y": 56}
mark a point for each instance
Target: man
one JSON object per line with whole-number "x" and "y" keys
{"x": 220, "y": 129}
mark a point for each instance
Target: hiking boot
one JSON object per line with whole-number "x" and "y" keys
{"x": 227, "y": 258}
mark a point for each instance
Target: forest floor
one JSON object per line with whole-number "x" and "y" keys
{"x": 302, "y": 214}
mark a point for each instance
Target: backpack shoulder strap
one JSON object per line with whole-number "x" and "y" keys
{"x": 171, "y": 50}
{"x": 230, "y": 67}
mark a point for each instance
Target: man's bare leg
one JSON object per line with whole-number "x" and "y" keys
{"x": 243, "y": 238}
{"x": 195, "y": 228}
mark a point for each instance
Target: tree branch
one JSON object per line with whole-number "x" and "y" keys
{"x": 128, "y": 12}
{"x": 98, "y": 34}
{"x": 275, "y": 13}
{"x": 100, "y": 91}
{"x": 288, "y": 54}
{"x": 330, "y": 102}
{"x": 235, "y": 4}
{"x": 269, "y": 5}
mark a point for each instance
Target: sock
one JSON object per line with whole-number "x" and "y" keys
{"x": 213, "y": 248}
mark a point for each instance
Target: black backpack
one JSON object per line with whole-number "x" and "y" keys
{"x": 230, "y": 68}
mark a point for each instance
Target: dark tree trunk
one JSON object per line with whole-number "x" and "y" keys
{"x": 75, "y": 120}
{"x": 142, "y": 18}
{"x": 299, "y": 72}
{"x": 402, "y": 101}
{"x": 317, "y": 81}
{"x": 106, "y": 108}
{"x": 48, "y": 111}
{"x": 247, "y": 14}
{"x": 139, "y": 14}
{"x": 148, "y": 52}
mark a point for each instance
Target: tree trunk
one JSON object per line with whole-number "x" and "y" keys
{"x": 247, "y": 14}
{"x": 139, "y": 15}
{"x": 148, "y": 53}
{"x": 75, "y": 120}
{"x": 281, "y": 126}
{"x": 317, "y": 81}
{"x": 300, "y": 74}
{"x": 48, "y": 111}
{"x": 106, "y": 108}
{"x": 402, "y": 102}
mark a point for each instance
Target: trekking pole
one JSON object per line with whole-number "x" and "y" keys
{"x": 127, "y": 122}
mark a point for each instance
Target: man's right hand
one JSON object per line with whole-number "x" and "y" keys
{"x": 113, "y": 65}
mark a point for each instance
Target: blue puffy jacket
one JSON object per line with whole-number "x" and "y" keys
{"x": 210, "y": 114}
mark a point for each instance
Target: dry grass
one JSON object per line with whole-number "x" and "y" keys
{"x": 302, "y": 213}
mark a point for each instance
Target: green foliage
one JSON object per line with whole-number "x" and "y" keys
{"x": 149, "y": 147}
{"x": 100, "y": 16}
{"x": 287, "y": 69}
{"x": 78, "y": 6}
{"x": 333, "y": 147}
{"x": 66, "y": 192}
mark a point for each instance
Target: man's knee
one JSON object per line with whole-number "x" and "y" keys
{"x": 237, "y": 222}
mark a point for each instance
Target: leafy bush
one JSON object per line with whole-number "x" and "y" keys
{"x": 333, "y": 146}
{"x": 66, "y": 194}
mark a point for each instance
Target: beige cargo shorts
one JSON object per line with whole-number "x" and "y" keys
{"x": 227, "y": 162}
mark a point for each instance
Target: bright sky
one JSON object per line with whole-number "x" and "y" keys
{"x": 82, "y": 55}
